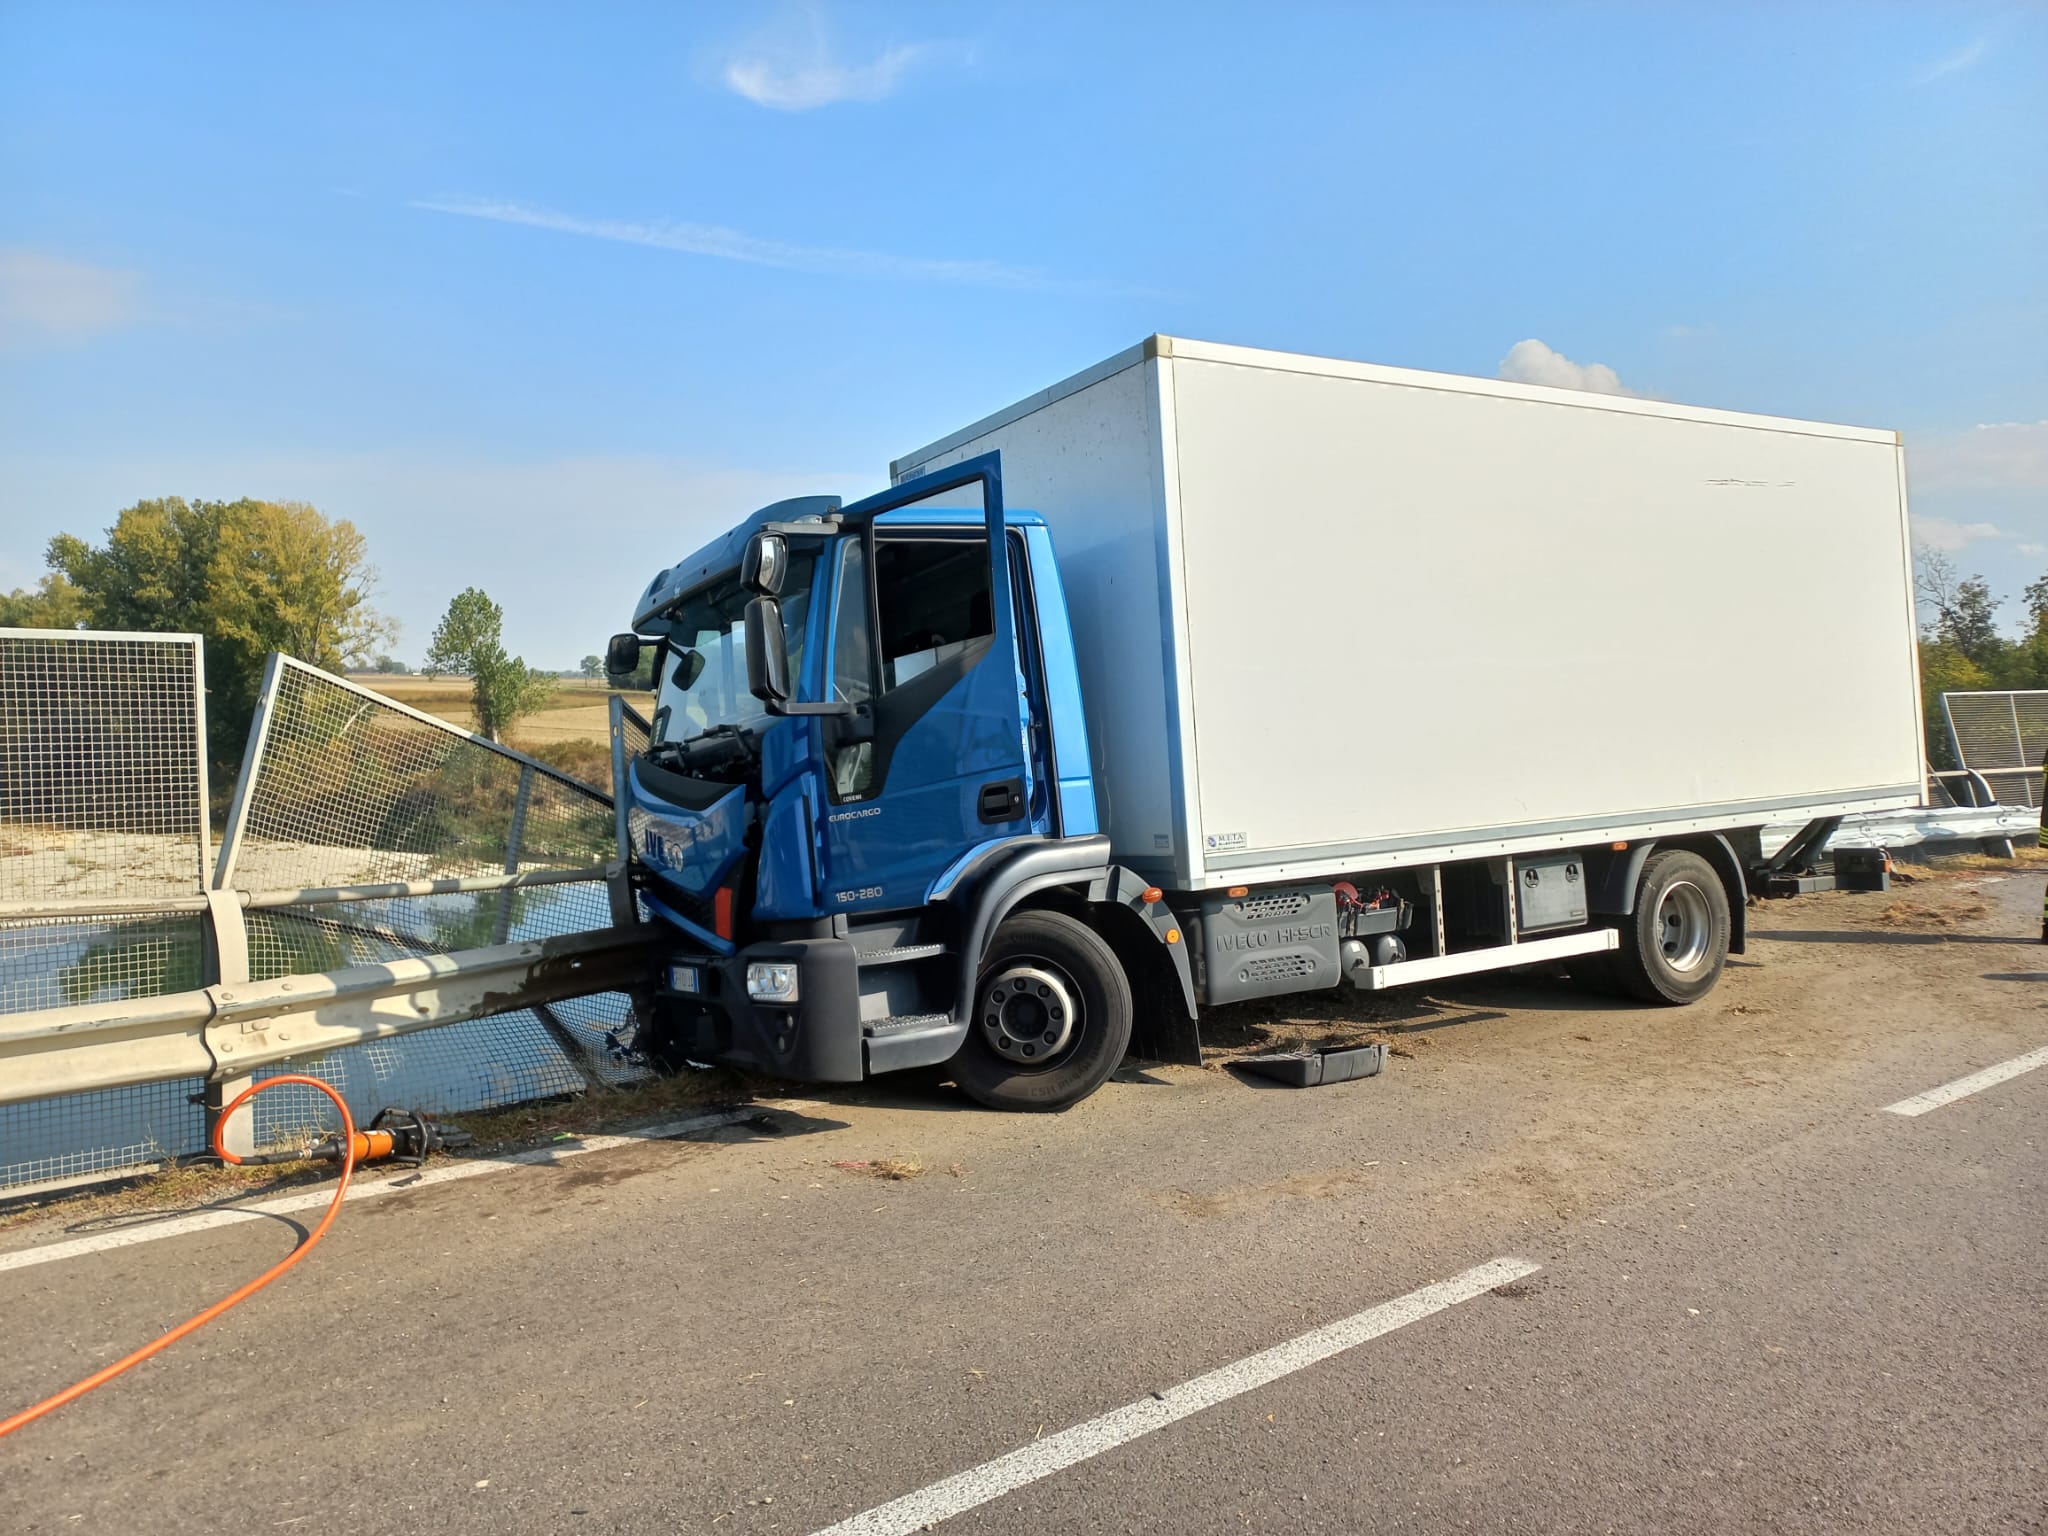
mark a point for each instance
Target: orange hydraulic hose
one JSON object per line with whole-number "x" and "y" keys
{"x": 348, "y": 1163}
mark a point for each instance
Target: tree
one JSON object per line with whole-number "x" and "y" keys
{"x": 469, "y": 640}
{"x": 1965, "y": 612}
{"x": 1944, "y": 669}
{"x": 639, "y": 680}
{"x": 593, "y": 668}
{"x": 54, "y": 604}
{"x": 249, "y": 577}
{"x": 2035, "y": 596}
{"x": 389, "y": 666}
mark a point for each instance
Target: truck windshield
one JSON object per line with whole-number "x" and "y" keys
{"x": 712, "y": 623}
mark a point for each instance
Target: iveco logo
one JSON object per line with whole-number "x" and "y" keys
{"x": 660, "y": 840}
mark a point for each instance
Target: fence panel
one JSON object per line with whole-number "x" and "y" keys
{"x": 102, "y": 798}
{"x": 344, "y": 786}
{"x": 2002, "y": 734}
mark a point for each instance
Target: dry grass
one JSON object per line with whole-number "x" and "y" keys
{"x": 178, "y": 1186}
{"x": 195, "y": 1184}
{"x": 2024, "y": 856}
{"x": 616, "y": 1109}
{"x": 892, "y": 1169}
{"x": 1910, "y": 912}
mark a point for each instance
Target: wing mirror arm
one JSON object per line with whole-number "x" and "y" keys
{"x": 768, "y": 663}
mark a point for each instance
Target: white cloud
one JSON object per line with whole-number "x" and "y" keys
{"x": 792, "y": 67}
{"x": 2033, "y": 549}
{"x": 790, "y": 86}
{"x": 51, "y": 298}
{"x": 1947, "y": 536}
{"x": 725, "y": 244}
{"x": 1955, "y": 63}
{"x": 1532, "y": 362}
{"x": 2006, "y": 455}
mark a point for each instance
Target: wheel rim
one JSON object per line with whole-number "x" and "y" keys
{"x": 1030, "y": 1012}
{"x": 1685, "y": 926}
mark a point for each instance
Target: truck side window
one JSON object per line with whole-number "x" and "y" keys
{"x": 933, "y": 598}
{"x": 853, "y": 658}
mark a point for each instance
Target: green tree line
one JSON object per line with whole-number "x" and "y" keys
{"x": 251, "y": 577}
{"x": 1962, "y": 647}
{"x": 248, "y": 577}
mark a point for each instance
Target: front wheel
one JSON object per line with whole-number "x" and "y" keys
{"x": 1052, "y": 1016}
{"x": 1675, "y": 942}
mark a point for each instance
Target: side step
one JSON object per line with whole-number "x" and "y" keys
{"x": 904, "y": 1024}
{"x": 1498, "y": 957}
{"x": 899, "y": 952}
{"x": 910, "y": 1040}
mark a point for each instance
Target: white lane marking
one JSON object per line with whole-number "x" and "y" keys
{"x": 992, "y": 1479}
{"x": 1963, "y": 1087}
{"x": 366, "y": 1189}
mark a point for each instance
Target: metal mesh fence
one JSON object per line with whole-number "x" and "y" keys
{"x": 350, "y": 788}
{"x": 2002, "y": 735}
{"x": 560, "y": 1048}
{"x": 55, "y": 962}
{"x": 102, "y": 797}
{"x": 102, "y": 766}
{"x": 76, "y": 1136}
{"x": 343, "y": 787}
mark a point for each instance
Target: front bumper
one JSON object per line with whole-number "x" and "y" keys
{"x": 816, "y": 1039}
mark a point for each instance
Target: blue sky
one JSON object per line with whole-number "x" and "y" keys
{"x": 540, "y": 298}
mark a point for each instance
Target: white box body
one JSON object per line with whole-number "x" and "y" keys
{"x": 1334, "y": 617}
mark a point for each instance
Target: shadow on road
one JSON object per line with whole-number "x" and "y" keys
{"x": 1808, "y": 936}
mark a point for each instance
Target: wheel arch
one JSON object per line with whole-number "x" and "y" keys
{"x": 1617, "y": 873}
{"x": 1008, "y": 876}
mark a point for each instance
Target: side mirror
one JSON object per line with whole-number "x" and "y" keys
{"x": 622, "y": 655}
{"x": 767, "y": 652}
{"x": 764, "y": 564}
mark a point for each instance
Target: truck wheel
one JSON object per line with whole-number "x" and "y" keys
{"x": 1674, "y": 944}
{"x": 1052, "y": 1016}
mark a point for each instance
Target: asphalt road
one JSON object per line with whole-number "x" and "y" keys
{"x": 1760, "y": 1302}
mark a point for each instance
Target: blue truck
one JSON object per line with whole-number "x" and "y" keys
{"x": 1211, "y": 675}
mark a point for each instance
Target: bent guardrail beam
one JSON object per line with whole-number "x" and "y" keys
{"x": 234, "y": 1028}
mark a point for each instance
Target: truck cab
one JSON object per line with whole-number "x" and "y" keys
{"x": 866, "y": 815}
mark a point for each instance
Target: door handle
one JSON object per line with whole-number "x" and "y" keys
{"x": 1001, "y": 801}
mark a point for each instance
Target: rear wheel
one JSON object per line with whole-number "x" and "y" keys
{"x": 1052, "y": 1015}
{"x": 1675, "y": 942}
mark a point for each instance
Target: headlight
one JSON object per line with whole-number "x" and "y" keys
{"x": 683, "y": 978}
{"x": 772, "y": 982}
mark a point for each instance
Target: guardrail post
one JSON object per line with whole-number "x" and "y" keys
{"x": 227, "y": 965}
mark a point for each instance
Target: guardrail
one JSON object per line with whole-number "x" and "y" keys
{"x": 382, "y": 873}
{"x": 223, "y": 1032}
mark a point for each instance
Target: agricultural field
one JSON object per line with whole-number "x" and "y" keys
{"x": 579, "y": 712}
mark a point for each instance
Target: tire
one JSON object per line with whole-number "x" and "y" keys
{"x": 1676, "y": 941}
{"x": 1045, "y": 975}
